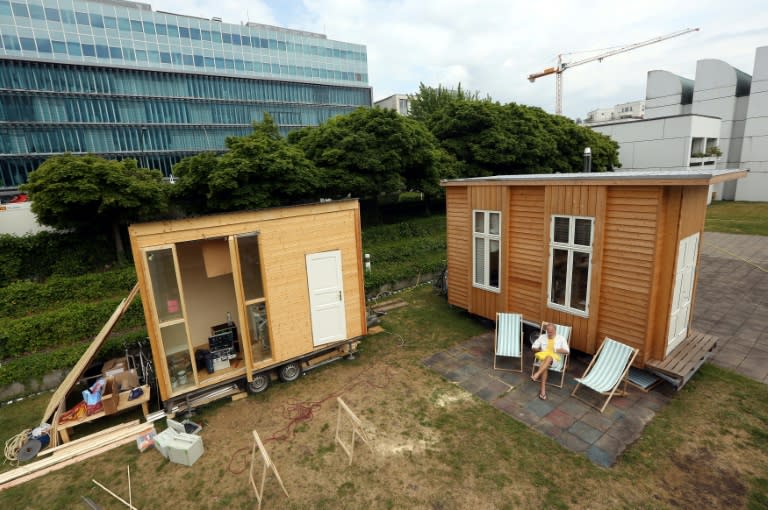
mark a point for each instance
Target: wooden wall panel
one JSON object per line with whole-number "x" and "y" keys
{"x": 458, "y": 245}
{"x": 693, "y": 210}
{"x": 631, "y": 229}
{"x": 526, "y": 261}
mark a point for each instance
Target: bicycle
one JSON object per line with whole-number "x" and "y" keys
{"x": 141, "y": 362}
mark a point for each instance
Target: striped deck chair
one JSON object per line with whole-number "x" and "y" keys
{"x": 608, "y": 368}
{"x": 557, "y": 366}
{"x": 509, "y": 338}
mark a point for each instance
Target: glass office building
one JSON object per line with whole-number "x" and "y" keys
{"x": 117, "y": 79}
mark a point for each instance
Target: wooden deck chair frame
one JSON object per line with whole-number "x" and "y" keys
{"x": 561, "y": 366}
{"x": 608, "y": 388}
{"x": 511, "y": 345}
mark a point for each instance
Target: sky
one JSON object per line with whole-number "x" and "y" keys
{"x": 491, "y": 46}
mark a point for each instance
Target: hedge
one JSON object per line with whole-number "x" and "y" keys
{"x": 38, "y": 256}
{"x": 64, "y": 326}
{"x": 42, "y": 363}
{"x": 25, "y": 297}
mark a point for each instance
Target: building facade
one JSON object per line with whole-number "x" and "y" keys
{"x": 630, "y": 110}
{"x": 718, "y": 120}
{"x": 117, "y": 79}
{"x": 401, "y": 103}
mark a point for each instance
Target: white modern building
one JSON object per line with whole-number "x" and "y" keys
{"x": 401, "y": 103}
{"x": 720, "y": 118}
{"x": 631, "y": 110}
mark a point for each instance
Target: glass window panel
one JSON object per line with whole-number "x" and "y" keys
{"x": 493, "y": 220}
{"x": 165, "y": 288}
{"x": 206, "y": 35}
{"x": 115, "y": 52}
{"x": 102, "y": 51}
{"x": 82, "y": 18}
{"x": 259, "y": 326}
{"x": 561, "y": 229}
{"x": 173, "y": 31}
{"x": 52, "y": 14}
{"x": 184, "y": 32}
{"x": 11, "y": 42}
{"x": 161, "y": 29}
{"x": 198, "y": 60}
{"x": 226, "y": 37}
{"x": 89, "y": 50}
{"x": 493, "y": 263}
{"x": 216, "y": 36}
{"x": 479, "y": 222}
{"x": 20, "y": 10}
{"x": 5, "y": 8}
{"x": 264, "y": 43}
{"x": 136, "y": 26}
{"x": 149, "y": 27}
{"x": 124, "y": 24}
{"x": 479, "y": 260}
{"x": 165, "y": 57}
{"x": 579, "y": 281}
{"x": 129, "y": 54}
{"x": 44, "y": 46}
{"x": 236, "y": 39}
{"x": 194, "y": 33}
{"x": 110, "y": 22}
{"x": 97, "y": 21}
{"x": 59, "y": 47}
{"x": 583, "y": 233}
{"x": 177, "y": 356}
{"x": 250, "y": 265}
{"x": 559, "y": 275}
{"x": 28, "y": 44}
{"x": 74, "y": 49}
{"x": 246, "y": 40}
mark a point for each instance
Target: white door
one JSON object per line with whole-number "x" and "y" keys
{"x": 680, "y": 312}
{"x": 326, "y": 297}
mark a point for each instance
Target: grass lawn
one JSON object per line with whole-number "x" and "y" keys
{"x": 434, "y": 446}
{"x": 738, "y": 218}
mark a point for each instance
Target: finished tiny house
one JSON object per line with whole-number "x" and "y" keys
{"x": 610, "y": 254}
{"x": 246, "y": 295}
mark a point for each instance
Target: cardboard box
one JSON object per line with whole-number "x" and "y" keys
{"x": 126, "y": 380}
{"x": 114, "y": 367}
{"x": 110, "y": 397}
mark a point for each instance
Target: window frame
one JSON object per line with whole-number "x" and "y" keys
{"x": 571, "y": 247}
{"x": 486, "y": 237}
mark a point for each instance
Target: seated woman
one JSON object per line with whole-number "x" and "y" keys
{"x": 547, "y": 348}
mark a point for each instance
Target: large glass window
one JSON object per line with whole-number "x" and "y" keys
{"x": 486, "y": 240}
{"x": 571, "y": 239}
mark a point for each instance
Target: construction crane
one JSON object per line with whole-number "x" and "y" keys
{"x": 562, "y": 66}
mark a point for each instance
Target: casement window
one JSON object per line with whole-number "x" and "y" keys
{"x": 486, "y": 241}
{"x": 570, "y": 262}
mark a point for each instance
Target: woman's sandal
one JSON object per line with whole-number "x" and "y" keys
{"x": 542, "y": 396}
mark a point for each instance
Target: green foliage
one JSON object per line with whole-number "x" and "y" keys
{"x": 489, "y": 138}
{"x": 52, "y": 253}
{"x": 87, "y": 193}
{"x": 37, "y": 365}
{"x": 25, "y": 297}
{"x": 372, "y": 151}
{"x": 259, "y": 170}
{"x": 64, "y": 326}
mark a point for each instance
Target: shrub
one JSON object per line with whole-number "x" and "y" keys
{"x": 26, "y": 297}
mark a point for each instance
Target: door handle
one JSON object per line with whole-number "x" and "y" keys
{"x": 339, "y": 295}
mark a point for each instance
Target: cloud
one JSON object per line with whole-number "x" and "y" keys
{"x": 493, "y": 45}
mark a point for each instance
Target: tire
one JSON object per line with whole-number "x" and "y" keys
{"x": 260, "y": 383}
{"x": 290, "y": 371}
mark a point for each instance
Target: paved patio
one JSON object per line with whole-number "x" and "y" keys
{"x": 570, "y": 422}
{"x": 731, "y": 303}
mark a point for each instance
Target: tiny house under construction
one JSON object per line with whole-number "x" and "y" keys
{"x": 610, "y": 254}
{"x": 248, "y": 295}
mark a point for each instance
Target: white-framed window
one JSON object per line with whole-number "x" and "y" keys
{"x": 486, "y": 244}
{"x": 570, "y": 263}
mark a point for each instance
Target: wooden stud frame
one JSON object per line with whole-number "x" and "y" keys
{"x": 357, "y": 430}
{"x": 259, "y": 490}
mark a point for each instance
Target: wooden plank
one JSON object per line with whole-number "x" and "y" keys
{"x": 77, "y": 371}
{"x": 687, "y": 358}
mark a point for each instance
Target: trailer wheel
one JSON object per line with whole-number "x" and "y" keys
{"x": 260, "y": 383}
{"x": 290, "y": 372}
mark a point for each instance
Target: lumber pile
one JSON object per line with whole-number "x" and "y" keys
{"x": 73, "y": 452}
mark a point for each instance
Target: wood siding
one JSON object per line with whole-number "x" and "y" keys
{"x": 527, "y": 233}
{"x": 629, "y": 254}
{"x": 458, "y": 219}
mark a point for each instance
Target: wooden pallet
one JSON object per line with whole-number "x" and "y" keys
{"x": 680, "y": 365}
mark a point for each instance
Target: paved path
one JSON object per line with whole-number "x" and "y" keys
{"x": 732, "y": 301}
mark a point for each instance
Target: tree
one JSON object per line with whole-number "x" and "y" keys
{"x": 489, "y": 138}
{"x": 89, "y": 193}
{"x": 428, "y": 100}
{"x": 373, "y": 151}
{"x": 259, "y": 170}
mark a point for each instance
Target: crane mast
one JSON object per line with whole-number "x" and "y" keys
{"x": 562, "y": 66}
